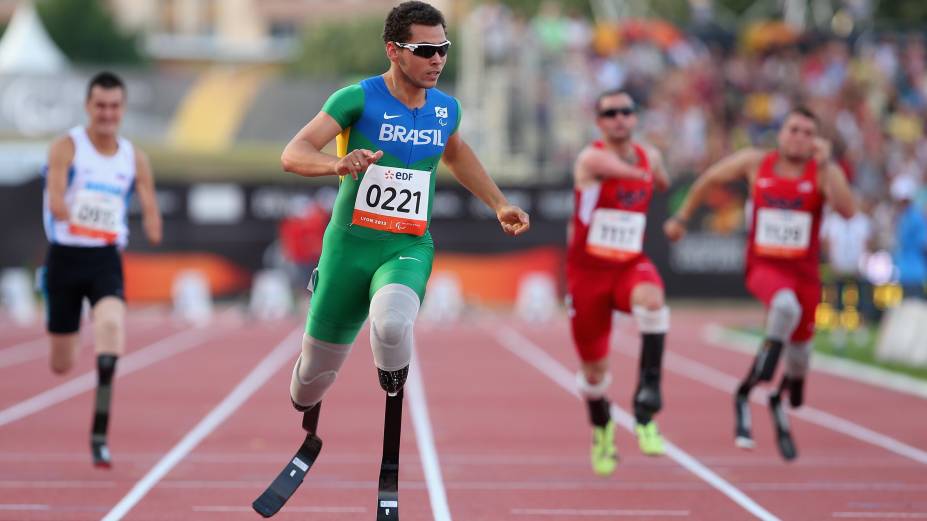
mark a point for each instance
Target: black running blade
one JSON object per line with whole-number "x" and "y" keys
{"x": 388, "y": 492}
{"x": 388, "y": 489}
{"x": 289, "y": 479}
{"x": 100, "y": 452}
{"x": 783, "y": 434}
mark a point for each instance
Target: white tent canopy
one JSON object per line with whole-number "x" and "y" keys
{"x": 26, "y": 47}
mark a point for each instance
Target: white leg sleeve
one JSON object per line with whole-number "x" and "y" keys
{"x": 316, "y": 370}
{"x": 393, "y": 309}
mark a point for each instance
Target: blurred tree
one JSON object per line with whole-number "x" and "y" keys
{"x": 530, "y": 7}
{"x": 353, "y": 48}
{"x": 86, "y": 33}
{"x": 906, "y": 11}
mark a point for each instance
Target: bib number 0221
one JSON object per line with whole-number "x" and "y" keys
{"x": 393, "y": 199}
{"x": 388, "y": 195}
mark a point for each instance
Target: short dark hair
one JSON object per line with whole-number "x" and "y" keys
{"x": 397, "y": 27}
{"x": 805, "y": 112}
{"x": 105, "y": 80}
{"x": 613, "y": 92}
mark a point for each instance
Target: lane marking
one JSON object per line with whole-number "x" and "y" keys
{"x": 722, "y": 381}
{"x": 535, "y": 356}
{"x": 40, "y": 347}
{"x": 426, "y": 443}
{"x": 128, "y": 364}
{"x": 598, "y": 512}
{"x": 746, "y": 343}
{"x": 881, "y": 515}
{"x": 23, "y": 352}
{"x": 258, "y": 376}
{"x": 307, "y": 509}
{"x": 23, "y": 507}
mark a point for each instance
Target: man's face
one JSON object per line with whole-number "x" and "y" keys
{"x": 796, "y": 137}
{"x": 421, "y": 71}
{"x": 616, "y": 117}
{"x": 105, "y": 108}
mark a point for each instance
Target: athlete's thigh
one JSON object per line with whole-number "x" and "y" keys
{"x": 409, "y": 265}
{"x": 809, "y": 295}
{"x": 589, "y": 303}
{"x": 634, "y": 274}
{"x": 65, "y": 285}
{"x": 107, "y": 280}
{"x": 340, "y": 299}
{"x": 764, "y": 281}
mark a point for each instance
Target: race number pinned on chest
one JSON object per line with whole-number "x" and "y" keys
{"x": 96, "y": 214}
{"x": 616, "y": 234}
{"x": 782, "y": 233}
{"x": 393, "y": 200}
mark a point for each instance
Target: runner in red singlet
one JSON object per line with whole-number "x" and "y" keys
{"x": 607, "y": 270}
{"x": 788, "y": 188}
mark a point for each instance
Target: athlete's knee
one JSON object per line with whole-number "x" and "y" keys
{"x": 797, "y": 359}
{"x": 652, "y": 320}
{"x": 785, "y": 313}
{"x": 109, "y": 325}
{"x": 316, "y": 370}
{"x": 648, "y": 296}
{"x": 594, "y": 379}
{"x": 393, "y": 309}
{"x": 63, "y": 348}
{"x": 391, "y": 328}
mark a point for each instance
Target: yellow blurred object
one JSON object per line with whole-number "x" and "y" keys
{"x": 887, "y": 296}
{"x": 761, "y": 36}
{"x": 606, "y": 39}
{"x": 905, "y": 128}
{"x": 758, "y": 107}
{"x": 851, "y": 295}
{"x": 850, "y": 319}
{"x": 212, "y": 111}
{"x": 825, "y": 317}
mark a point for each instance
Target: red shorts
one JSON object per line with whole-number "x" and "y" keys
{"x": 764, "y": 281}
{"x": 594, "y": 293}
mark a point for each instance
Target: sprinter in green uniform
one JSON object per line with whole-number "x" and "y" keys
{"x": 391, "y": 130}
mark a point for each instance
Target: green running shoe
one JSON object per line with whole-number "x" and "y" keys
{"x": 649, "y": 438}
{"x": 603, "y": 455}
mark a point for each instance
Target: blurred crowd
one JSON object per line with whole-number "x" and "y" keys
{"x": 702, "y": 96}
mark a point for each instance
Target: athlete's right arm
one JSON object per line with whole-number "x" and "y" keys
{"x": 594, "y": 164}
{"x": 60, "y": 156}
{"x": 303, "y": 154}
{"x": 735, "y": 166}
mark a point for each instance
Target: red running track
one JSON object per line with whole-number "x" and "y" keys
{"x": 202, "y": 420}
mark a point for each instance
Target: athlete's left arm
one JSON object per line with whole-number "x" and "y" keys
{"x": 658, "y": 169}
{"x": 469, "y": 172}
{"x": 147, "y": 198}
{"x": 837, "y": 190}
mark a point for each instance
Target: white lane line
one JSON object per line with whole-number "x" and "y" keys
{"x": 525, "y": 349}
{"x": 39, "y": 347}
{"x": 598, "y": 512}
{"x": 724, "y": 382}
{"x": 746, "y": 343}
{"x": 23, "y": 352}
{"x": 426, "y": 443}
{"x": 310, "y": 510}
{"x": 880, "y": 515}
{"x": 15, "y": 483}
{"x": 249, "y": 385}
{"x": 135, "y": 361}
{"x": 23, "y": 507}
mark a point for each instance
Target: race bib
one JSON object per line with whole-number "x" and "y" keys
{"x": 393, "y": 200}
{"x": 96, "y": 214}
{"x": 782, "y": 233}
{"x": 616, "y": 234}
